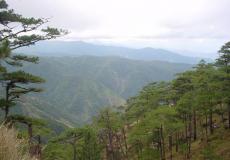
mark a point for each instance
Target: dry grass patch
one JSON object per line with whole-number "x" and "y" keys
{"x": 12, "y": 148}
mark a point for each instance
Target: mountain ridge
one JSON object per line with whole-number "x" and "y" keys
{"x": 79, "y": 48}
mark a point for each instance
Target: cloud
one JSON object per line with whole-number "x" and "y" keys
{"x": 131, "y": 21}
{"x": 60, "y": 15}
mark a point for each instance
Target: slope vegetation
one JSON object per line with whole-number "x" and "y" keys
{"x": 76, "y": 88}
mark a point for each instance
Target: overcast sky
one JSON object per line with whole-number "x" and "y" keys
{"x": 187, "y": 26}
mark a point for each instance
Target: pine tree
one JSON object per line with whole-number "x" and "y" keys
{"x": 18, "y": 82}
{"x": 83, "y": 142}
{"x": 109, "y": 124}
{"x": 223, "y": 63}
{"x": 17, "y": 31}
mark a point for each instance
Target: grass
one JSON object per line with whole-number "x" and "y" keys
{"x": 12, "y": 148}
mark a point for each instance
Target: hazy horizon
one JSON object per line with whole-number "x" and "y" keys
{"x": 192, "y": 28}
{"x": 187, "y": 53}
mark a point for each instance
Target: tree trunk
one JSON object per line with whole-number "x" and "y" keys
{"x": 229, "y": 116}
{"x": 210, "y": 122}
{"x": 39, "y": 148}
{"x": 7, "y": 102}
{"x": 107, "y": 152}
{"x": 189, "y": 136}
{"x": 177, "y": 138}
{"x": 125, "y": 141}
{"x": 141, "y": 150}
{"x": 74, "y": 152}
{"x": 119, "y": 142}
{"x": 206, "y": 127}
{"x": 30, "y": 135}
{"x": 111, "y": 150}
{"x": 221, "y": 113}
{"x": 186, "y": 127}
{"x": 30, "y": 132}
{"x": 200, "y": 121}
{"x": 162, "y": 142}
{"x": 110, "y": 137}
{"x": 194, "y": 125}
{"x": 170, "y": 146}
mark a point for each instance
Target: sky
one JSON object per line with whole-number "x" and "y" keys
{"x": 190, "y": 27}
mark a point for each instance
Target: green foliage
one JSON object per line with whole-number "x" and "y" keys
{"x": 108, "y": 119}
{"x": 209, "y": 154}
{"x": 22, "y": 77}
{"x": 79, "y": 141}
{"x": 4, "y": 49}
{"x": 163, "y": 117}
{"x": 224, "y": 57}
{"x": 55, "y": 151}
{"x": 150, "y": 97}
{"x": 190, "y": 104}
{"x": 24, "y": 119}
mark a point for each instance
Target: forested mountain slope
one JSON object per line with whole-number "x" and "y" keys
{"x": 76, "y": 88}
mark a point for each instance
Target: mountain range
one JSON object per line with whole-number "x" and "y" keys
{"x": 78, "y": 48}
{"x": 81, "y": 78}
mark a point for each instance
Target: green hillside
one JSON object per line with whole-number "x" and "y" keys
{"x": 76, "y": 88}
